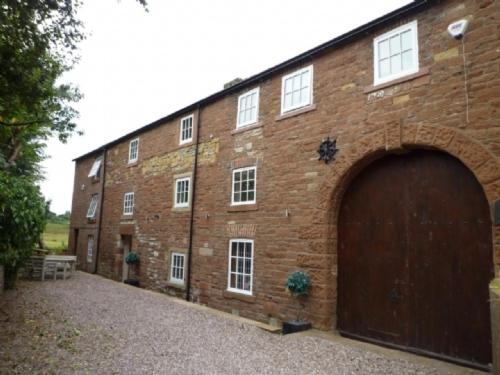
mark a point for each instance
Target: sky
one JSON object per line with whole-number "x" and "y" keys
{"x": 138, "y": 66}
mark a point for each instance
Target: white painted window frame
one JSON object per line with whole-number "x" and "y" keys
{"x": 174, "y": 279}
{"x": 181, "y": 132}
{"x": 176, "y": 191}
{"x": 309, "y": 68}
{"x": 92, "y": 206}
{"x": 238, "y": 170}
{"x": 128, "y": 209}
{"x": 409, "y": 26}
{"x": 240, "y": 99}
{"x": 96, "y": 167}
{"x": 130, "y": 147}
{"x": 229, "y": 271}
{"x": 90, "y": 248}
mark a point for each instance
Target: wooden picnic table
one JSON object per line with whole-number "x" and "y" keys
{"x": 52, "y": 265}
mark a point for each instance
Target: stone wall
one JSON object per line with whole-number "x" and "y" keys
{"x": 293, "y": 223}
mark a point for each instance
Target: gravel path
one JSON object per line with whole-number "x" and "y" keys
{"x": 90, "y": 325}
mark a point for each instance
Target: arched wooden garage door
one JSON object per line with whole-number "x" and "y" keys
{"x": 415, "y": 257}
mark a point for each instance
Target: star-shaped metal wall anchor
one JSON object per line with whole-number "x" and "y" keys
{"x": 327, "y": 150}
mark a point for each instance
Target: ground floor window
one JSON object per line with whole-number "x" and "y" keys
{"x": 240, "y": 272}
{"x": 90, "y": 248}
{"x": 177, "y": 266}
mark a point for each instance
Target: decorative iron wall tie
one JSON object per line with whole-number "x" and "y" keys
{"x": 327, "y": 150}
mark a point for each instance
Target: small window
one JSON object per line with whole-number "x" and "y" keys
{"x": 248, "y": 108}
{"x": 90, "y": 248}
{"x": 133, "y": 151}
{"x": 244, "y": 186}
{"x": 240, "y": 266}
{"x": 92, "y": 206}
{"x": 396, "y": 53}
{"x": 182, "y": 192}
{"x": 177, "y": 268}
{"x": 186, "y": 129}
{"x": 296, "y": 89}
{"x": 128, "y": 204}
{"x": 96, "y": 167}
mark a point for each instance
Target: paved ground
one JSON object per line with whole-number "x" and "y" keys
{"x": 90, "y": 325}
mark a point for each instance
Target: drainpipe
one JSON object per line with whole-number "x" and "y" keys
{"x": 193, "y": 196}
{"x": 101, "y": 209}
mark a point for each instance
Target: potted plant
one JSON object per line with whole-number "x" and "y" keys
{"x": 297, "y": 285}
{"x": 132, "y": 259}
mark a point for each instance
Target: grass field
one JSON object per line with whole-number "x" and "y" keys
{"x": 55, "y": 236}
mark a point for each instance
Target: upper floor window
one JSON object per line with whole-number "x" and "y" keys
{"x": 244, "y": 189}
{"x": 248, "y": 108}
{"x": 182, "y": 192}
{"x": 296, "y": 89}
{"x": 128, "y": 204}
{"x": 133, "y": 150}
{"x": 186, "y": 129}
{"x": 177, "y": 268}
{"x": 396, "y": 53}
{"x": 96, "y": 167}
{"x": 240, "y": 271}
{"x": 92, "y": 206}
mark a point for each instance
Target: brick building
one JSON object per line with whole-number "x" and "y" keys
{"x": 224, "y": 198}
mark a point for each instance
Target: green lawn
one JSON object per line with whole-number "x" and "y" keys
{"x": 55, "y": 236}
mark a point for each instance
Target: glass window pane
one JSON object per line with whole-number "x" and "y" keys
{"x": 296, "y": 97}
{"x": 253, "y": 114}
{"x": 244, "y": 186}
{"x": 251, "y": 184}
{"x": 288, "y": 85}
{"x": 246, "y": 284}
{"x": 251, "y": 196}
{"x": 237, "y": 197}
{"x": 239, "y": 281}
{"x": 234, "y": 247}
{"x": 233, "y": 263}
{"x": 383, "y": 49}
{"x": 304, "y": 95}
{"x": 384, "y": 68}
{"x": 406, "y": 40}
{"x": 248, "y": 250}
{"x": 396, "y": 64}
{"x": 244, "y": 196}
{"x": 240, "y": 249}
{"x": 232, "y": 282}
{"x": 288, "y": 101}
{"x": 395, "y": 44}
{"x": 407, "y": 60}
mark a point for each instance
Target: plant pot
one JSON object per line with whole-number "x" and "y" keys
{"x": 295, "y": 326}
{"x": 132, "y": 282}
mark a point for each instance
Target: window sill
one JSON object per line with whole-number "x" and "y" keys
{"x": 94, "y": 180}
{"x": 296, "y": 112}
{"x": 422, "y": 72}
{"x": 91, "y": 221}
{"x": 243, "y": 129}
{"x": 243, "y": 207}
{"x": 187, "y": 144}
{"x": 127, "y": 218}
{"x": 179, "y": 286}
{"x": 181, "y": 209}
{"x": 241, "y": 297}
{"x": 132, "y": 164}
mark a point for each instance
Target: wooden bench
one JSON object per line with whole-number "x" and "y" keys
{"x": 52, "y": 265}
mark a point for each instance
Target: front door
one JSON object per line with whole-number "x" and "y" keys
{"x": 415, "y": 258}
{"x": 126, "y": 244}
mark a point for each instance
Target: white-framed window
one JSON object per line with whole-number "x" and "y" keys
{"x": 96, "y": 167}
{"x": 244, "y": 186}
{"x": 182, "y": 186}
{"x": 133, "y": 150}
{"x": 186, "y": 130}
{"x": 248, "y": 108}
{"x": 92, "y": 206}
{"x": 395, "y": 53}
{"x": 297, "y": 89}
{"x": 128, "y": 203}
{"x": 90, "y": 248}
{"x": 240, "y": 271}
{"x": 177, "y": 266}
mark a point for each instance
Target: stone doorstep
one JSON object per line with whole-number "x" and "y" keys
{"x": 441, "y": 366}
{"x": 223, "y": 314}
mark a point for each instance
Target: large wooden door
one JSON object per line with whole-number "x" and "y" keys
{"x": 415, "y": 257}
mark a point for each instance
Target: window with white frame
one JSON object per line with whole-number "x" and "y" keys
{"x": 297, "y": 89}
{"x": 244, "y": 186}
{"x": 90, "y": 248}
{"x": 92, "y": 206}
{"x": 240, "y": 273}
{"x": 177, "y": 265}
{"x": 182, "y": 192}
{"x": 248, "y": 108}
{"x": 128, "y": 204}
{"x": 94, "y": 171}
{"x": 133, "y": 150}
{"x": 396, "y": 53}
{"x": 186, "y": 129}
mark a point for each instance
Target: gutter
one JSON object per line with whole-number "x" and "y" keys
{"x": 193, "y": 196}
{"x": 365, "y": 29}
{"x": 101, "y": 209}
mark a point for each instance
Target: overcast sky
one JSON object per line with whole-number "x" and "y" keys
{"x": 137, "y": 67}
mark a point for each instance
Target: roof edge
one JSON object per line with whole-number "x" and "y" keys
{"x": 416, "y": 5}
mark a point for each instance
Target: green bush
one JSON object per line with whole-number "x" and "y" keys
{"x": 298, "y": 283}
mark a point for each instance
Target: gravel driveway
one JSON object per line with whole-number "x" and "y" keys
{"x": 90, "y": 325}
